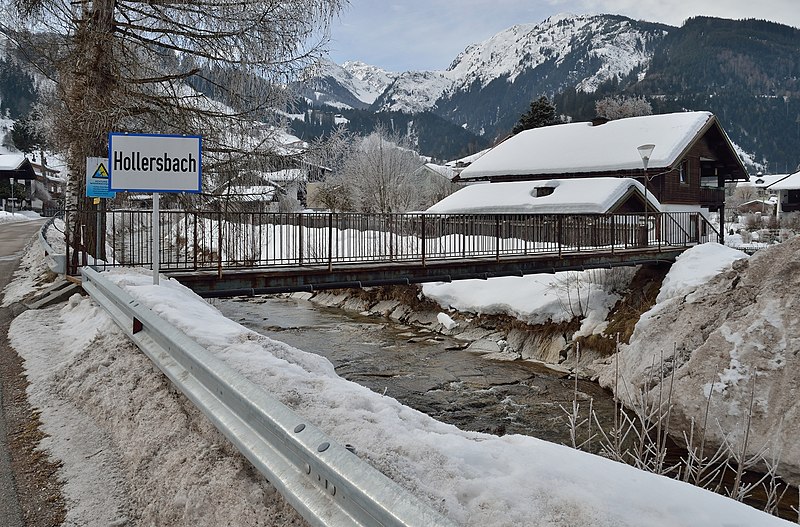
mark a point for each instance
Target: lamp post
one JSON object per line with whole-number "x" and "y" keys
{"x": 645, "y": 151}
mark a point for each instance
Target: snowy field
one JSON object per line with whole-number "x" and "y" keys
{"x": 135, "y": 451}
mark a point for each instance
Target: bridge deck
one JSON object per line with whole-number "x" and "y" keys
{"x": 249, "y": 282}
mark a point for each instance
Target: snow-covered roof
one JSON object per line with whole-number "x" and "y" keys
{"x": 762, "y": 180}
{"x": 581, "y": 147}
{"x": 444, "y": 171}
{"x": 791, "y": 182}
{"x": 16, "y": 166}
{"x": 468, "y": 160}
{"x": 11, "y": 161}
{"x": 251, "y": 193}
{"x": 287, "y": 174}
{"x": 576, "y": 195}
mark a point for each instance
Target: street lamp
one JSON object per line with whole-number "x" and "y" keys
{"x": 645, "y": 151}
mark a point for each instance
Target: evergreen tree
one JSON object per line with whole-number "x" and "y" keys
{"x": 26, "y": 135}
{"x": 541, "y": 113}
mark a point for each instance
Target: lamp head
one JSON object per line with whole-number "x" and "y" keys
{"x": 645, "y": 151}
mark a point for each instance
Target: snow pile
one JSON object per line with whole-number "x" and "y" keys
{"x": 533, "y": 299}
{"x": 737, "y": 333}
{"x": 695, "y": 267}
{"x": 25, "y": 215}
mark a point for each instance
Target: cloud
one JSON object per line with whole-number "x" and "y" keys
{"x": 429, "y": 34}
{"x": 675, "y": 12}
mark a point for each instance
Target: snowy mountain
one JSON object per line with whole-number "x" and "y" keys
{"x": 351, "y": 85}
{"x": 744, "y": 71}
{"x": 563, "y": 51}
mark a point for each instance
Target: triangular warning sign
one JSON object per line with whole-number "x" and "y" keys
{"x": 101, "y": 172}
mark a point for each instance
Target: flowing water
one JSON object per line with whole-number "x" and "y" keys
{"x": 426, "y": 371}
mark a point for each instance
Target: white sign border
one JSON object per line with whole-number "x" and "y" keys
{"x": 198, "y": 190}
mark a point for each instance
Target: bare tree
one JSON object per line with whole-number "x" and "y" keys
{"x": 619, "y": 107}
{"x": 215, "y": 69}
{"x": 376, "y": 174}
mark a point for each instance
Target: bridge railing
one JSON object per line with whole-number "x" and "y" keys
{"x": 214, "y": 240}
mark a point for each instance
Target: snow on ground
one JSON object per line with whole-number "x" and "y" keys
{"x": 534, "y": 299}
{"x": 133, "y": 450}
{"x": 24, "y": 215}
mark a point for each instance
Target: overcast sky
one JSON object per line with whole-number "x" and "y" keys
{"x": 429, "y": 34}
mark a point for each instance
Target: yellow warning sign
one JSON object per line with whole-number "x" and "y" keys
{"x": 101, "y": 172}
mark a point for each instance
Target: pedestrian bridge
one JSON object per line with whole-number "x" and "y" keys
{"x": 219, "y": 253}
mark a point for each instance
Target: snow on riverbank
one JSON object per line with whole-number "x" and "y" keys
{"x": 149, "y": 458}
{"x": 726, "y": 338}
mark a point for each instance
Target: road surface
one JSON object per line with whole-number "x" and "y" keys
{"x": 14, "y": 237}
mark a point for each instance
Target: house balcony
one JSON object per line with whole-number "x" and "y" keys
{"x": 712, "y": 198}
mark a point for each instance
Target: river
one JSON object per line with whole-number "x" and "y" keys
{"x": 426, "y": 371}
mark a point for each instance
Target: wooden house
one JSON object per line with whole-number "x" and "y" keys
{"x": 687, "y": 170}
{"x": 788, "y": 193}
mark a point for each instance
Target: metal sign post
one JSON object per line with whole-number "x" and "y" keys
{"x": 156, "y": 239}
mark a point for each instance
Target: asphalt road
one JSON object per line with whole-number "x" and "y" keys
{"x": 13, "y": 239}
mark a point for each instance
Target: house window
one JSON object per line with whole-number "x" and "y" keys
{"x": 683, "y": 171}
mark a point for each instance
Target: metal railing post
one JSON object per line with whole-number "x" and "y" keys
{"x": 559, "y": 238}
{"x": 330, "y": 242}
{"x": 219, "y": 245}
{"x": 194, "y": 235}
{"x": 300, "y": 238}
{"x": 497, "y": 237}
{"x": 423, "y": 240}
{"x": 613, "y": 232}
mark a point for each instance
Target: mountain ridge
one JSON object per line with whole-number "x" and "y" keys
{"x": 717, "y": 64}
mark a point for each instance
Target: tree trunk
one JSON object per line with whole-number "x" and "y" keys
{"x": 90, "y": 88}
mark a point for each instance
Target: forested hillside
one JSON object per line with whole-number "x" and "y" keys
{"x": 745, "y": 72}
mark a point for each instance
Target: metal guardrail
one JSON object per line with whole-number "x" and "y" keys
{"x": 326, "y": 483}
{"x": 57, "y": 262}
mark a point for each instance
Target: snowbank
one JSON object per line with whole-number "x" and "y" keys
{"x": 534, "y": 299}
{"x": 25, "y": 215}
{"x": 736, "y": 333}
{"x": 695, "y": 267}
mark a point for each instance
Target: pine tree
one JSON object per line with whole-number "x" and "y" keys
{"x": 541, "y": 113}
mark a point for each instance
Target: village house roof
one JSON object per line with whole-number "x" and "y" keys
{"x": 439, "y": 170}
{"x": 790, "y": 182}
{"x": 16, "y": 166}
{"x": 762, "y": 180}
{"x": 585, "y": 196}
{"x": 580, "y": 148}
